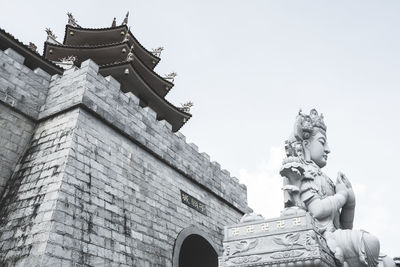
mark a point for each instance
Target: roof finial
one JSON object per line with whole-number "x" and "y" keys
{"x": 114, "y": 23}
{"x": 171, "y": 76}
{"x": 51, "y": 37}
{"x": 72, "y": 21}
{"x": 157, "y": 51}
{"x": 125, "y": 22}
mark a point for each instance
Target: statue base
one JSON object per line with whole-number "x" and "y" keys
{"x": 290, "y": 240}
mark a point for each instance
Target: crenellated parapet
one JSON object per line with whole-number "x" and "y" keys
{"x": 86, "y": 88}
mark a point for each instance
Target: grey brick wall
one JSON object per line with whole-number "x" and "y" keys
{"x": 15, "y": 133}
{"x": 28, "y": 203}
{"x": 100, "y": 180}
{"x": 120, "y": 206}
{"x": 103, "y": 97}
{"x": 21, "y": 87}
{"x": 23, "y": 90}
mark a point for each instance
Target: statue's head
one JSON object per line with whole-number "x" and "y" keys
{"x": 309, "y": 141}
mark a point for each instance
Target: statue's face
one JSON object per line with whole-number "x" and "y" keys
{"x": 318, "y": 149}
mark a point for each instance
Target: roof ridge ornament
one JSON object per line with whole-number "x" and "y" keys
{"x": 186, "y": 106}
{"x": 171, "y": 76}
{"x": 157, "y": 51}
{"x": 125, "y": 22}
{"x": 72, "y": 21}
{"x": 130, "y": 56}
{"x": 68, "y": 59}
{"x": 114, "y": 23}
{"x": 126, "y": 38}
{"x": 32, "y": 46}
{"x": 51, "y": 37}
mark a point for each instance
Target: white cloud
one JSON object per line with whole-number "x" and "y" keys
{"x": 264, "y": 185}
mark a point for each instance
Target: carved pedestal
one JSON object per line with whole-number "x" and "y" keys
{"x": 284, "y": 241}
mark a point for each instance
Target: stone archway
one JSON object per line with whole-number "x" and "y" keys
{"x": 193, "y": 248}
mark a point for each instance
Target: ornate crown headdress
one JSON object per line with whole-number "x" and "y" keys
{"x": 305, "y": 124}
{"x": 303, "y": 129}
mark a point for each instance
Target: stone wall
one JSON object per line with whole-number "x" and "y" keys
{"x": 28, "y": 203}
{"x": 118, "y": 204}
{"x": 15, "y": 133}
{"x": 100, "y": 180}
{"x": 22, "y": 93}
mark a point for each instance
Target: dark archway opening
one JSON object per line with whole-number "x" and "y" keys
{"x": 197, "y": 252}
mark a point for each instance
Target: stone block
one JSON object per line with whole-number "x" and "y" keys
{"x": 90, "y": 64}
{"x": 42, "y": 73}
{"x": 151, "y": 112}
{"x": 113, "y": 82}
{"x": 14, "y": 55}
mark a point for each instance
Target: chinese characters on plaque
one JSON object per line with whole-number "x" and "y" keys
{"x": 265, "y": 227}
{"x": 193, "y": 202}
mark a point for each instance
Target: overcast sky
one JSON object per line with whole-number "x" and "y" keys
{"x": 249, "y": 66}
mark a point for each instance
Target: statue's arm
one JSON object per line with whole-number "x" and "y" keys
{"x": 347, "y": 217}
{"x": 321, "y": 208}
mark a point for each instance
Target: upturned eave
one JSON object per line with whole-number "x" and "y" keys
{"x": 103, "y": 36}
{"x": 131, "y": 81}
{"x": 109, "y": 54}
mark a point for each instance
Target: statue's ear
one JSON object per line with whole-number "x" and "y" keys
{"x": 307, "y": 156}
{"x": 306, "y": 143}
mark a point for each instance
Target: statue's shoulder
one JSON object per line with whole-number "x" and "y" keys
{"x": 310, "y": 186}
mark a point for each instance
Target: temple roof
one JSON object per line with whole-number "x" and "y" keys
{"x": 119, "y": 54}
{"x": 75, "y": 36}
{"x": 33, "y": 59}
{"x": 108, "y": 54}
{"x": 101, "y": 54}
{"x": 131, "y": 81}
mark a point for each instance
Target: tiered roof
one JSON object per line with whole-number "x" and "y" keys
{"x": 119, "y": 54}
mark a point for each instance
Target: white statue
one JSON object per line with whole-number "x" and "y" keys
{"x": 331, "y": 204}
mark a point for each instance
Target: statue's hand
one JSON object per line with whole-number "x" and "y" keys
{"x": 351, "y": 199}
{"x": 341, "y": 188}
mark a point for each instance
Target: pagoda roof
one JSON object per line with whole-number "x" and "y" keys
{"x": 101, "y": 54}
{"x": 108, "y": 54}
{"x": 131, "y": 81}
{"x": 33, "y": 59}
{"x": 104, "y": 36}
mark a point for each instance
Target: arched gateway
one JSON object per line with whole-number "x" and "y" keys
{"x": 193, "y": 248}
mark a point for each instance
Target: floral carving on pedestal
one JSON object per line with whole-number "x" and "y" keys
{"x": 288, "y": 240}
{"x": 240, "y": 247}
{"x": 247, "y": 259}
{"x": 291, "y": 239}
{"x": 309, "y": 240}
{"x": 287, "y": 254}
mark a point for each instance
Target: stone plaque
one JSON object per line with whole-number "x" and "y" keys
{"x": 193, "y": 202}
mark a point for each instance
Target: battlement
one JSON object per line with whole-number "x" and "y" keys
{"x": 20, "y": 87}
{"x": 40, "y": 96}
